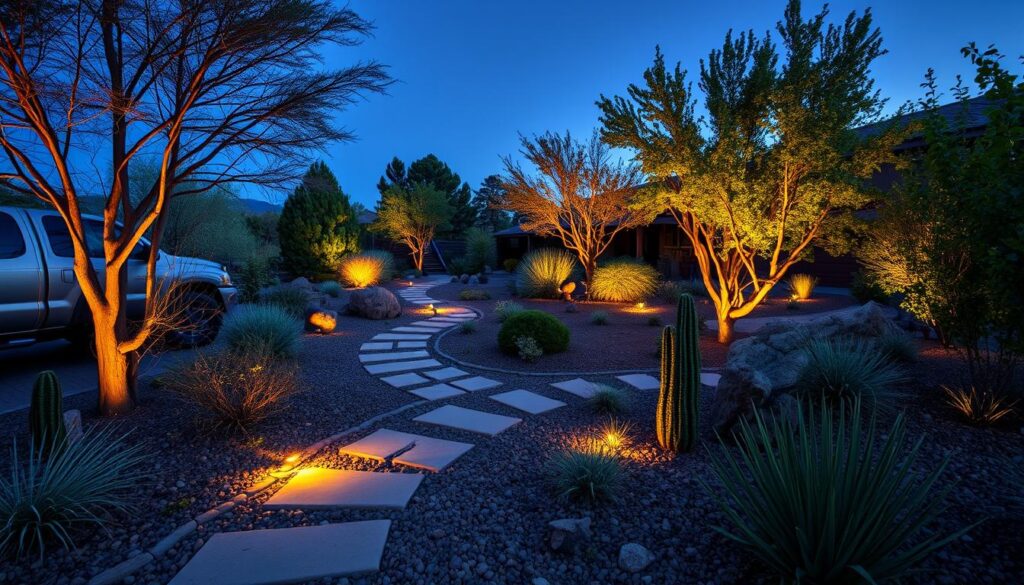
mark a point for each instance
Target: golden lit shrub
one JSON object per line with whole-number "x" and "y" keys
{"x": 981, "y": 408}
{"x": 364, "y": 269}
{"x": 542, "y": 273}
{"x": 801, "y": 286}
{"x": 624, "y": 281}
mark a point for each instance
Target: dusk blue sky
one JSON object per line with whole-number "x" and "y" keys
{"x": 472, "y": 75}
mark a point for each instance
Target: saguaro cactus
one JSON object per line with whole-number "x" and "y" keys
{"x": 676, "y": 422}
{"x": 46, "y": 413}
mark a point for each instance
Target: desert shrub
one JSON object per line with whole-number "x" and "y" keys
{"x": 551, "y": 334}
{"x": 599, "y": 318}
{"x": 624, "y": 280}
{"x": 48, "y": 499}
{"x": 542, "y": 273}
{"x": 588, "y": 476}
{"x": 844, "y": 370}
{"x": 331, "y": 288}
{"x": 505, "y": 309}
{"x": 481, "y": 250}
{"x": 669, "y": 291}
{"x": 467, "y": 327}
{"x": 291, "y": 299}
{"x": 262, "y": 329}
{"x": 980, "y": 408}
{"x": 608, "y": 400}
{"x": 510, "y": 264}
{"x": 366, "y": 268}
{"x": 801, "y": 286}
{"x": 826, "y": 499}
{"x": 473, "y": 294}
{"x": 255, "y": 274}
{"x": 528, "y": 348}
{"x": 898, "y": 346}
{"x": 458, "y": 266}
{"x": 234, "y": 390}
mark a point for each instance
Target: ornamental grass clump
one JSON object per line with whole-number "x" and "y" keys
{"x": 839, "y": 371}
{"x": 898, "y": 347}
{"x": 608, "y": 400}
{"x": 366, "y": 268}
{"x": 541, "y": 273}
{"x": 234, "y": 391}
{"x": 826, "y": 499}
{"x": 467, "y": 327}
{"x": 291, "y": 299}
{"x": 591, "y": 475}
{"x": 979, "y": 408}
{"x": 801, "y": 286}
{"x": 331, "y": 288}
{"x": 624, "y": 280}
{"x": 505, "y": 309}
{"x": 599, "y": 318}
{"x": 48, "y": 499}
{"x": 262, "y": 329}
{"x": 474, "y": 294}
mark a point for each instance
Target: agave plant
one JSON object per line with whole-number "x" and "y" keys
{"x": 825, "y": 500}
{"x": 46, "y": 499}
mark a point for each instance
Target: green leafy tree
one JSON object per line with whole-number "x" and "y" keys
{"x": 487, "y": 201}
{"x": 950, "y": 238}
{"x": 317, "y": 225}
{"x": 776, "y": 166}
{"x": 430, "y": 170}
{"x": 413, "y": 215}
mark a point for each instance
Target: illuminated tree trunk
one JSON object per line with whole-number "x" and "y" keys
{"x": 725, "y": 328}
{"x": 116, "y": 369}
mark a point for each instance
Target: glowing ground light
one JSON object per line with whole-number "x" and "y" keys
{"x": 641, "y": 306}
{"x": 291, "y": 458}
{"x": 613, "y": 440}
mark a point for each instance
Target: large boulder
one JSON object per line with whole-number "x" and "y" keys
{"x": 761, "y": 369}
{"x": 374, "y": 303}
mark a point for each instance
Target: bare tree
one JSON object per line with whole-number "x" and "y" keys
{"x": 578, "y": 194}
{"x": 217, "y": 91}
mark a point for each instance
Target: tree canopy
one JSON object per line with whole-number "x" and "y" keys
{"x": 317, "y": 226}
{"x": 487, "y": 201}
{"x": 432, "y": 171}
{"x": 413, "y": 215}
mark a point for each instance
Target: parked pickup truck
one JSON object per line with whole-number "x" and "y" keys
{"x": 40, "y": 298}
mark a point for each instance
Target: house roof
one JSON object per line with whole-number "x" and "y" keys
{"x": 970, "y": 115}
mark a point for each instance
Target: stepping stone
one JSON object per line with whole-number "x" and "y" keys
{"x": 417, "y": 451}
{"x": 392, "y": 356}
{"x": 433, "y": 324}
{"x": 528, "y": 401}
{"x": 375, "y": 346}
{"x": 403, "y": 380}
{"x": 445, "y": 373}
{"x": 287, "y": 555}
{"x": 437, "y": 392}
{"x": 317, "y": 487}
{"x": 424, "y": 302}
{"x": 429, "y": 330}
{"x": 411, "y": 344}
{"x": 477, "y": 383}
{"x": 709, "y": 379}
{"x": 401, "y": 366}
{"x": 641, "y": 381}
{"x": 468, "y": 419}
{"x": 449, "y": 320}
{"x": 400, "y": 337}
{"x": 578, "y": 386}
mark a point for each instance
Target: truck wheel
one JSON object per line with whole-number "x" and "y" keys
{"x": 199, "y": 321}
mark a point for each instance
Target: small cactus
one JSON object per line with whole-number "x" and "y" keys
{"x": 676, "y": 422}
{"x": 46, "y": 413}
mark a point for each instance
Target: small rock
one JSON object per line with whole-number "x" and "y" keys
{"x": 539, "y": 581}
{"x": 464, "y": 279}
{"x": 634, "y": 557}
{"x": 566, "y": 533}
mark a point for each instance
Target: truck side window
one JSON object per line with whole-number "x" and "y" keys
{"x": 12, "y": 244}
{"x": 60, "y": 239}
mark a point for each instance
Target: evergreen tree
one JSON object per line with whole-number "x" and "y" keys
{"x": 485, "y": 202}
{"x": 318, "y": 225}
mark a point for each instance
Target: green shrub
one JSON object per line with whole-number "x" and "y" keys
{"x": 624, "y": 280}
{"x": 542, "y": 273}
{"x": 331, "y": 288}
{"x": 528, "y": 348}
{"x": 50, "y": 498}
{"x": 608, "y": 400}
{"x": 510, "y": 264}
{"x": 505, "y": 309}
{"x": 827, "y": 500}
{"x": 588, "y": 476}
{"x": 256, "y": 274}
{"x": 551, "y": 334}
{"x": 293, "y": 300}
{"x": 467, "y": 327}
{"x": 262, "y": 329}
{"x": 841, "y": 371}
{"x": 898, "y": 346}
{"x": 481, "y": 250}
{"x": 458, "y": 266}
{"x": 233, "y": 390}
{"x": 473, "y": 294}
{"x": 599, "y": 318}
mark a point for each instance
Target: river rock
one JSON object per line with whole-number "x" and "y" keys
{"x": 566, "y": 534}
{"x": 634, "y": 558}
{"x": 374, "y": 303}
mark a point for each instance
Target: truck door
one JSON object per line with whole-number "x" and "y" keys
{"x": 21, "y": 277}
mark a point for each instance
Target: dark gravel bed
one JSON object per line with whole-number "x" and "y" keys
{"x": 484, "y": 519}
{"x": 191, "y": 470}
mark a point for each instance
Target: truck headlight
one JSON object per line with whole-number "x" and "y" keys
{"x": 225, "y": 279}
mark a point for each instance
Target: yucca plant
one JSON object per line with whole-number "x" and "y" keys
{"x": 839, "y": 371}
{"x": 592, "y": 475}
{"x": 827, "y": 500}
{"x": 980, "y": 408}
{"x": 45, "y": 500}
{"x": 608, "y": 399}
{"x": 262, "y": 329}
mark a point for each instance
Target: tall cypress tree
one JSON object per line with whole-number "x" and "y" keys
{"x": 318, "y": 225}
